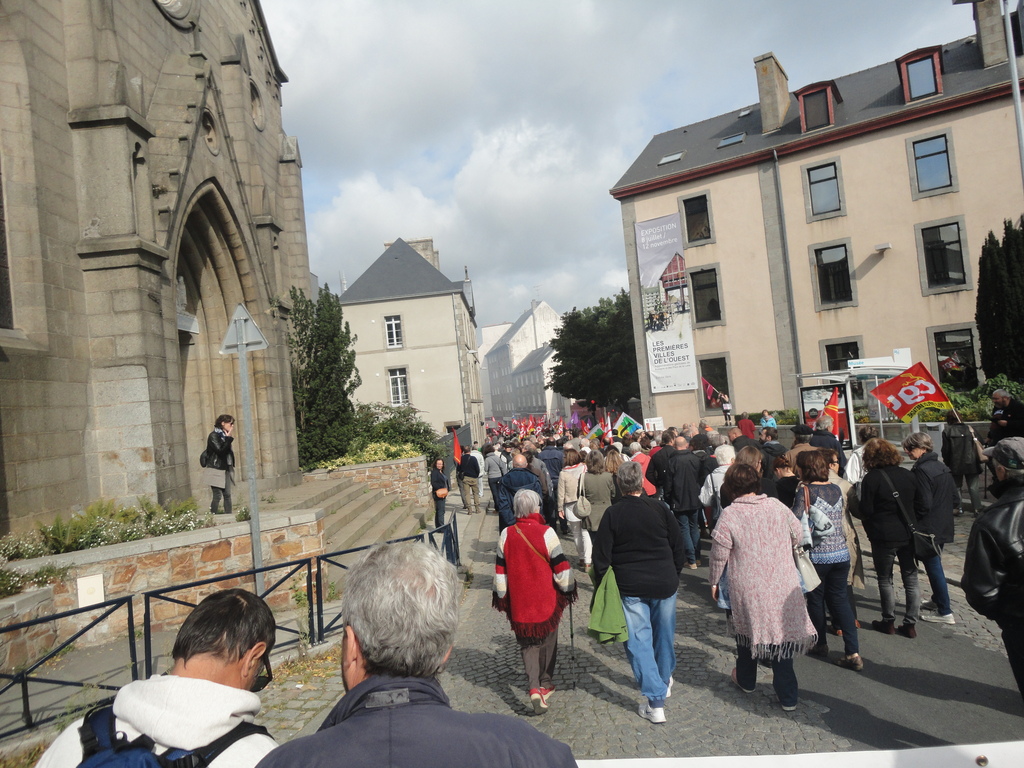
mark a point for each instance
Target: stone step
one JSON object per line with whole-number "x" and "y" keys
{"x": 353, "y": 505}
{"x": 304, "y": 496}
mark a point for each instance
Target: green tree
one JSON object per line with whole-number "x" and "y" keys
{"x": 1000, "y": 309}
{"x": 595, "y": 358}
{"x": 324, "y": 376}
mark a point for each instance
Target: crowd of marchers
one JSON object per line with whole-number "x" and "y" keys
{"x": 784, "y": 564}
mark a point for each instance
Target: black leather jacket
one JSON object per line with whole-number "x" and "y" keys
{"x": 993, "y": 577}
{"x": 218, "y": 451}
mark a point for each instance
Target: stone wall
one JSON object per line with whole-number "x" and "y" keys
{"x": 408, "y": 478}
{"x": 135, "y": 567}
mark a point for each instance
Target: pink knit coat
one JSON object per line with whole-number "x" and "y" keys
{"x": 755, "y": 537}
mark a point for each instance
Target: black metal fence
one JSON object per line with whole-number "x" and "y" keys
{"x": 26, "y": 677}
{"x": 317, "y": 585}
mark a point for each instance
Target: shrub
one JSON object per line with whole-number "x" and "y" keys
{"x": 390, "y": 426}
{"x": 374, "y": 452}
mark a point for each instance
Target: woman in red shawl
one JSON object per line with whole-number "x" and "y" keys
{"x": 532, "y": 585}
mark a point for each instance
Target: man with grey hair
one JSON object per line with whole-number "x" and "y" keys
{"x": 822, "y": 437}
{"x": 401, "y": 609}
{"x": 993, "y": 579}
{"x": 1007, "y": 417}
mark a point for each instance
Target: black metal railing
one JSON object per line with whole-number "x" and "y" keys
{"x": 291, "y": 568}
{"x": 25, "y": 677}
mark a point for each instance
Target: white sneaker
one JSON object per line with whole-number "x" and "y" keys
{"x": 654, "y": 714}
{"x": 671, "y": 681}
{"x": 938, "y": 618}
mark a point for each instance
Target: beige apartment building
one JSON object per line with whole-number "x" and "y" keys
{"x": 416, "y": 337}
{"x": 838, "y": 221}
{"x": 148, "y": 190}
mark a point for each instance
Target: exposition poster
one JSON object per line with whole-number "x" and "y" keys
{"x": 666, "y": 304}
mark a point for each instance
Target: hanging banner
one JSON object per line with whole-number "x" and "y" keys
{"x": 665, "y": 304}
{"x": 910, "y": 392}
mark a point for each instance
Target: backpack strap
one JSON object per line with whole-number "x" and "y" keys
{"x": 203, "y": 756}
{"x": 97, "y": 730}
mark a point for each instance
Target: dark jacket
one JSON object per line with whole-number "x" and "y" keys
{"x": 771, "y": 451}
{"x": 958, "y": 451}
{"x": 824, "y": 439}
{"x": 657, "y": 467}
{"x": 882, "y": 520}
{"x": 993, "y": 579}
{"x": 642, "y": 542}
{"x": 937, "y": 497}
{"x": 408, "y": 721}
{"x": 515, "y": 480}
{"x": 685, "y": 476}
{"x": 438, "y": 480}
{"x": 1013, "y": 415}
{"x": 554, "y": 460}
{"x": 469, "y": 466}
{"x": 218, "y": 450}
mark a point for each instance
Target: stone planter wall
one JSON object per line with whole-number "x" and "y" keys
{"x": 407, "y": 478}
{"x": 136, "y": 567}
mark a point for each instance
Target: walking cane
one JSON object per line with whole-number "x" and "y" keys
{"x": 572, "y": 647}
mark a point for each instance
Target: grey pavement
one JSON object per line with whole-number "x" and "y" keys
{"x": 952, "y": 685}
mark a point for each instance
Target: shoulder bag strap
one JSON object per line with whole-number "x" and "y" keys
{"x": 899, "y": 502}
{"x": 530, "y": 544}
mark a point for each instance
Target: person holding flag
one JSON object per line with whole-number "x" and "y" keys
{"x": 824, "y": 434}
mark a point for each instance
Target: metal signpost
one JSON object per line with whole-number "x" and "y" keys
{"x": 244, "y": 336}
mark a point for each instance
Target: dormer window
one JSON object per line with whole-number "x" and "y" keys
{"x": 817, "y": 105}
{"x": 921, "y": 73}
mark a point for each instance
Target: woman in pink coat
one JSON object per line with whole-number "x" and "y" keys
{"x": 768, "y": 615}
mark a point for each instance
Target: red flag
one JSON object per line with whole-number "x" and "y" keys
{"x": 910, "y": 392}
{"x": 458, "y": 448}
{"x": 832, "y": 409}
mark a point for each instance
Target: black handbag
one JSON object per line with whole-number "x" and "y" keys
{"x": 925, "y": 546}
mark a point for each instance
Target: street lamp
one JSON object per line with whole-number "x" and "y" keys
{"x": 1011, "y": 56}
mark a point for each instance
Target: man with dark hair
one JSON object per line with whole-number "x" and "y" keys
{"x": 771, "y": 449}
{"x": 553, "y": 458}
{"x": 470, "y": 469}
{"x": 993, "y": 578}
{"x": 221, "y": 658}
{"x": 394, "y": 711}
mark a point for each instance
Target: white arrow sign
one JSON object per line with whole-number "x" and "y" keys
{"x": 243, "y": 333}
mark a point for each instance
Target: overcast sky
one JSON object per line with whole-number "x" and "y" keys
{"x": 498, "y": 128}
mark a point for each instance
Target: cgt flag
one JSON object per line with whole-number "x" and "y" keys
{"x": 910, "y": 392}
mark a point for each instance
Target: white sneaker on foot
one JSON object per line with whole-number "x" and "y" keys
{"x": 671, "y": 682}
{"x": 654, "y": 714}
{"x": 938, "y": 618}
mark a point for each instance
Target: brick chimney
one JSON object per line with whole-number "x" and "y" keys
{"x": 773, "y": 91}
{"x": 988, "y": 22}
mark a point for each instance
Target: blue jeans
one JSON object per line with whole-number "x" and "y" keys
{"x": 652, "y": 629}
{"x": 937, "y": 579}
{"x": 783, "y": 676}
{"x": 832, "y": 590}
{"x": 438, "y": 512}
{"x": 689, "y": 526}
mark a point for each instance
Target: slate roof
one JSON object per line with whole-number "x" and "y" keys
{"x": 867, "y": 95}
{"x": 535, "y": 359}
{"x": 399, "y": 273}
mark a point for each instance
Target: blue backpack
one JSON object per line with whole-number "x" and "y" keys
{"x": 104, "y": 747}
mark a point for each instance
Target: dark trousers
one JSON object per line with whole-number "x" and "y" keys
{"x": 783, "y": 676}
{"x": 438, "y": 512}
{"x": 832, "y": 591}
{"x": 689, "y": 526}
{"x": 884, "y": 558}
{"x": 1013, "y": 639}
{"x": 492, "y": 483}
{"x": 539, "y": 656}
{"x": 224, "y": 493}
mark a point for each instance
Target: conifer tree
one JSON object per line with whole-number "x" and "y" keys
{"x": 999, "y": 314}
{"x": 324, "y": 375}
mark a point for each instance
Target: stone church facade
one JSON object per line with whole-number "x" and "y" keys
{"x": 148, "y": 189}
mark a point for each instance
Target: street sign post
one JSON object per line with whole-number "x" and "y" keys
{"x": 244, "y": 336}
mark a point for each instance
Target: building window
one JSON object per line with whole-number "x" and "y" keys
{"x": 398, "y": 382}
{"x": 932, "y": 165}
{"x": 714, "y": 372}
{"x": 707, "y": 306}
{"x": 837, "y": 355}
{"x": 955, "y": 361}
{"x": 393, "y": 329}
{"x": 940, "y": 256}
{"x": 823, "y": 186}
{"x": 816, "y": 110}
{"x": 698, "y": 219}
{"x": 833, "y": 267}
{"x": 921, "y": 73}
{"x": 943, "y": 256}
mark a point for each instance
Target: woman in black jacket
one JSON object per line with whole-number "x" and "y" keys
{"x": 220, "y": 462}
{"x": 888, "y": 533}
